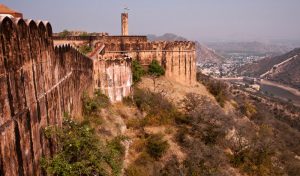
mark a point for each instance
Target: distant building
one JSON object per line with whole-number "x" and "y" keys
{"x": 5, "y": 11}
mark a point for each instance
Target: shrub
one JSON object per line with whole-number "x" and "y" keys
{"x": 137, "y": 71}
{"x": 91, "y": 105}
{"x": 248, "y": 109}
{"x": 203, "y": 160}
{"x": 155, "y": 69}
{"x": 159, "y": 110}
{"x": 211, "y": 134}
{"x": 80, "y": 152}
{"x": 256, "y": 158}
{"x": 156, "y": 146}
{"x": 191, "y": 101}
{"x": 217, "y": 88}
{"x": 128, "y": 101}
{"x": 85, "y": 49}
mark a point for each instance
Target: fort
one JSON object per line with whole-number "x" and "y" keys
{"x": 42, "y": 77}
{"x": 178, "y": 58}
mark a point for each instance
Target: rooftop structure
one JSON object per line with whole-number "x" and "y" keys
{"x": 5, "y": 11}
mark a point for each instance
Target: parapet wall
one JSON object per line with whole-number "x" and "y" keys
{"x": 38, "y": 83}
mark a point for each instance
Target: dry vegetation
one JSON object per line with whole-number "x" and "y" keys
{"x": 205, "y": 138}
{"x": 166, "y": 128}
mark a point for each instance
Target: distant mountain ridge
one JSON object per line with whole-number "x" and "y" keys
{"x": 204, "y": 54}
{"x": 250, "y": 48}
{"x": 284, "y": 69}
{"x": 166, "y": 37}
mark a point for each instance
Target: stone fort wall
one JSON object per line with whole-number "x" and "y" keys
{"x": 113, "y": 77}
{"x": 178, "y": 57}
{"x": 38, "y": 83}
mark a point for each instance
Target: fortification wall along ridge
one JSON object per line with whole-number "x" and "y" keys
{"x": 38, "y": 83}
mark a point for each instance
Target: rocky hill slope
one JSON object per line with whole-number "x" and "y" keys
{"x": 207, "y": 55}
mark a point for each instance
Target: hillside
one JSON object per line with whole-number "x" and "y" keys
{"x": 207, "y": 55}
{"x": 167, "y": 128}
{"x": 287, "y": 73}
{"x": 208, "y": 139}
{"x": 204, "y": 54}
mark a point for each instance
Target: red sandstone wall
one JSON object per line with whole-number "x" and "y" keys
{"x": 178, "y": 58}
{"x": 37, "y": 85}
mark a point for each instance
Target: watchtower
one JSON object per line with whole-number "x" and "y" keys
{"x": 124, "y": 21}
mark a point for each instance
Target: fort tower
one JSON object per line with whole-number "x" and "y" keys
{"x": 124, "y": 21}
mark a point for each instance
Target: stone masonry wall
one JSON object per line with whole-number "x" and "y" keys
{"x": 113, "y": 77}
{"x": 38, "y": 83}
{"x": 178, "y": 58}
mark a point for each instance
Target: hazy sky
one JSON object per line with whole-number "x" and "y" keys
{"x": 194, "y": 19}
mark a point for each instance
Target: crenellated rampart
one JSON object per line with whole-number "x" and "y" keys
{"x": 38, "y": 84}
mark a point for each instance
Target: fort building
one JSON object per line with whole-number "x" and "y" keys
{"x": 110, "y": 53}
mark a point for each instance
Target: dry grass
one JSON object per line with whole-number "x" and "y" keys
{"x": 174, "y": 91}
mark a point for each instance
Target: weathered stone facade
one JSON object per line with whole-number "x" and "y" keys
{"x": 178, "y": 58}
{"x": 38, "y": 83}
{"x": 113, "y": 76}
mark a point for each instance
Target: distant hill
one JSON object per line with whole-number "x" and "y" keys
{"x": 249, "y": 48}
{"x": 166, "y": 37}
{"x": 207, "y": 55}
{"x": 204, "y": 54}
{"x": 280, "y": 71}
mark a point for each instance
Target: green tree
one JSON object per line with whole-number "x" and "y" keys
{"x": 137, "y": 71}
{"x": 84, "y": 49}
{"x": 80, "y": 152}
{"x": 156, "y": 146}
{"x": 155, "y": 69}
